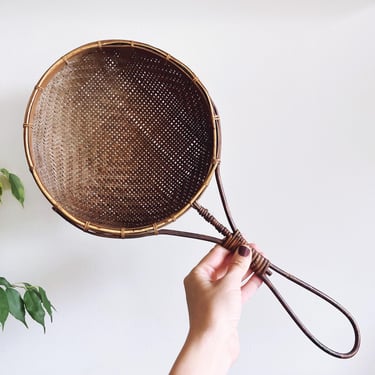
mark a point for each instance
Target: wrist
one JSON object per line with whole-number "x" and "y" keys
{"x": 209, "y": 352}
{"x": 218, "y": 347}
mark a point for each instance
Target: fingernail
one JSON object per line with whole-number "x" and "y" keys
{"x": 244, "y": 251}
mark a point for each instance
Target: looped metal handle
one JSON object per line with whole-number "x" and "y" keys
{"x": 310, "y": 288}
{"x": 262, "y": 267}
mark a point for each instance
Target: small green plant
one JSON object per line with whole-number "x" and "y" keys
{"x": 34, "y": 300}
{"x": 10, "y": 180}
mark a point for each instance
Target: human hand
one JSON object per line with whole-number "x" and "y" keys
{"x": 215, "y": 291}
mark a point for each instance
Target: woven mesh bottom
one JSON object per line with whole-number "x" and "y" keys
{"x": 122, "y": 137}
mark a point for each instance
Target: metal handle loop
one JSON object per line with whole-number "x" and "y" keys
{"x": 310, "y": 288}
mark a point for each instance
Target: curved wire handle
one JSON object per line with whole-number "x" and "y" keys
{"x": 299, "y": 323}
{"x": 262, "y": 267}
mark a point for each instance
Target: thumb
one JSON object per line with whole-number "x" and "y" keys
{"x": 240, "y": 263}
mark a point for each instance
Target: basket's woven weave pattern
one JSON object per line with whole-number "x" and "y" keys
{"x": 122, "y": 137}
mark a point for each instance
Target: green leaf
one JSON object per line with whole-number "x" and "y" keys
{"x": 16, "y": 305}
{"x": 33, "y": 304}
{"x": 5, "y": 282}
{"x": 4, "y": 307}
{"x": 46, "y": 302}
{"x": 16, "y": 185}
{"x": 5, "y": 172}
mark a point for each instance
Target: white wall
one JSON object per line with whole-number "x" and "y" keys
{"x": 294, "y": 82}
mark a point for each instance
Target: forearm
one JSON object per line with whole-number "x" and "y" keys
{"x": 208, "y": 353}
{"x": 214, "y": 293}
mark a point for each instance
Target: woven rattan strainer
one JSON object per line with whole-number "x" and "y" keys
{"x": 122, "y": 139}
